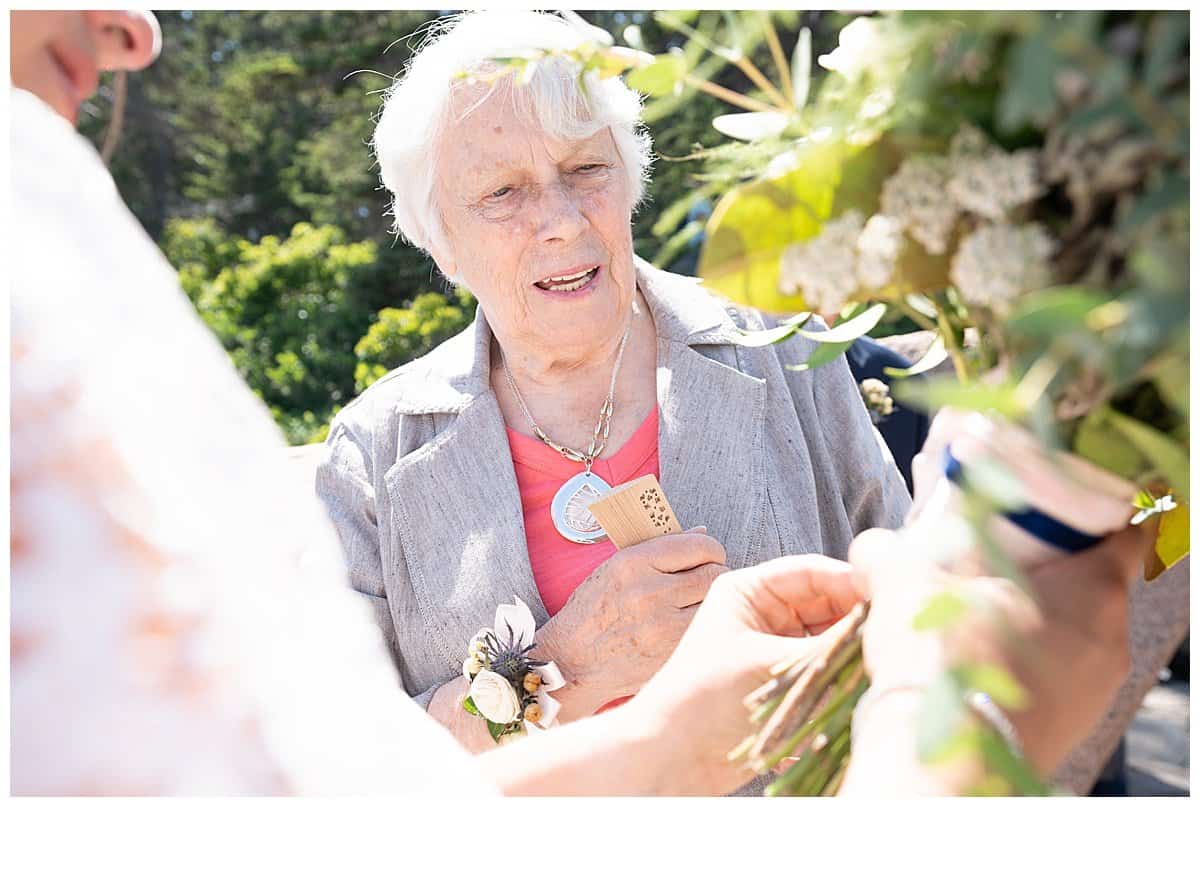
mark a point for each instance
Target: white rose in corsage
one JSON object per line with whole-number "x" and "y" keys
{"x": 510, "y": 690}
{"x": 494, "y": 697}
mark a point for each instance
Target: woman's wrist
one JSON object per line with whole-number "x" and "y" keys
{"x": 578, "y": 697}
{"x": 446, "y": 707}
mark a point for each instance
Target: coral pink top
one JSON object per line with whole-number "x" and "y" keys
{"x": 559, "y": 565}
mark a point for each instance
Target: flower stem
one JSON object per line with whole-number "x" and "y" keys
{"x": 846, "y": 685}
{"x": 952, "y": 348}
{"x": 781, "y": 64}
{"x": 756, "y": 76}
{"x": 727, "y": 95}
{"x": 798, "y": 702}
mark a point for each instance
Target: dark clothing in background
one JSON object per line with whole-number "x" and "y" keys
{"x": 905, "y": 429}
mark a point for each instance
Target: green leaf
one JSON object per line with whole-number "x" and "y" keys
{"x": 848, "y": 331}
{"x": 994, "y": 681}
{"x": 632, "y": 35}
{"x": 469, "y": 706}
{"x": 922, "y": 305}
{"x": 1050, "y": 312}
{"x": 1028, "y": 95}
{"x": 934, "y": 393}
{"x": 1173, "y": 382}
{"x": 934, "y": 355}
{"x": 941, "y": 610}
{"x": 674, "y": 214}
{"x": 823, "y": 354}
{"x": 752, "y": 126}
{"x": 802, "y": 68}
{"x": 995, "y": 482}
{"x": 940, "y": 718}
{"x": 495, "y": 729}
{"x": 771, "y": 335}
{"x": 1171, "y": 192}
{"x": 1096, "y": 441}
{"x": 1167, "y": 456}
{"x": 1020, "y": 775}
{"x": 677, "y": 243}
{"x": 1174, "y": 536}
{"x": 659, "y": 78}
{"x": 1120, "y": 108}
{"x": 1168, "y": 34}
{"x": 754, "y": 223}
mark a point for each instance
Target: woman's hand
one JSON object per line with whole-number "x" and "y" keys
{"x": 752, "y": 619}
{"x": 1066, "y": 643}
{"x": 622, "y": 623}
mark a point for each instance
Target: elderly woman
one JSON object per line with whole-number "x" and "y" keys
{"x": 461, "y": 480}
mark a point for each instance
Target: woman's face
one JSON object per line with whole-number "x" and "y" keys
{"x": 58, "y": 55}
{"x": 537, "y": 228}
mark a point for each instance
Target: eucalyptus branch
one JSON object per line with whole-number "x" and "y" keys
{"x": 802, "y": 697}
{"x": 756, "y": 76}
{"x": 727, "y": 95}
{"x": 781, "y": 64}
{"x": 952, "y": 348}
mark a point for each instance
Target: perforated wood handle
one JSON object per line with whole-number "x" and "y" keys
{"x": 635, "y": 511}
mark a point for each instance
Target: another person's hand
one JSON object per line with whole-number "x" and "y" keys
{"x": 751, "y": 620}
{"x": 624, "y": 620}
{"x": 1066, "y": 643}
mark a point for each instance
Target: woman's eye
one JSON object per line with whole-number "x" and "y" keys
{"x": 500, "y": 193}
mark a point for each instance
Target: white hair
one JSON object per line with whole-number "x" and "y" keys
{"x": 416, "y": 109}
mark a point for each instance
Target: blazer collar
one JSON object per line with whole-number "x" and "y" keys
{"x": 452, "y": 375}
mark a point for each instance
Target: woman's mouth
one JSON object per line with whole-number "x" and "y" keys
{"x": 568, "y": 283}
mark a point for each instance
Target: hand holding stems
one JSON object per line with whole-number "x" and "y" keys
{"x": 674, "y": 737}
{"x": 1065, "y": 643}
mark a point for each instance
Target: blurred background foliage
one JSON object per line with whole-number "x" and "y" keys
{"x": 244, "y": 153}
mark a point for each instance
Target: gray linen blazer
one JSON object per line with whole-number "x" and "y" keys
{"x": 418, "y": 478}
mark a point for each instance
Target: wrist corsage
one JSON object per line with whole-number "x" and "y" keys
{"x": 510, "y": 690}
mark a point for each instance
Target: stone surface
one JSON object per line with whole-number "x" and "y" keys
{"x": 1157, "y": 744}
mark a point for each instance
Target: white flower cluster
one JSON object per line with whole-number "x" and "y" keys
{"x": 878, "y": 248}
{"x": 500, "y": 698}
{"x": 927, "y": 197}
{"x": 999, "y": 262}
{"x": 978, "y": 177}
{"x": 916, "y": 197}
{"x": 878, "y": 398}
{"x": 985, "y": 180}
{"x": 846, "y": 255}
{"x": 824, "y": 267}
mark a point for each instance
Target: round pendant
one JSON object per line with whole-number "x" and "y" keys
{"x": 570, "y": 513}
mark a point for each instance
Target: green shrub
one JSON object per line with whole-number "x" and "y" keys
{"x": 400, "y": 335}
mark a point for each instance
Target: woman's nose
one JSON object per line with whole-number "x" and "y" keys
{"x": 563, "y": 217}
{"x": 124, "y": 39}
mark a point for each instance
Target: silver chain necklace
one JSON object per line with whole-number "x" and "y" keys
{"x": 569, "y": 509}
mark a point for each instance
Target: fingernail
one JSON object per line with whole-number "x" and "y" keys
{"x": 699, "y": 529}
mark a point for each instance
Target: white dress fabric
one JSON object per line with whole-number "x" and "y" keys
{"x": 181, "y": 621}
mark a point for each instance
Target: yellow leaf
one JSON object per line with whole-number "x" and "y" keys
{"x": 1172, "y": 543}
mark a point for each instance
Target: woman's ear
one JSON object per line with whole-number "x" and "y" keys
{"x": 445, "y": 262}
{"x": 442, "y": 253}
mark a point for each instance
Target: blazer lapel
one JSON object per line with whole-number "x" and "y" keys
{"x": 461, "y": 526}
{"x": 712, "y": 416}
